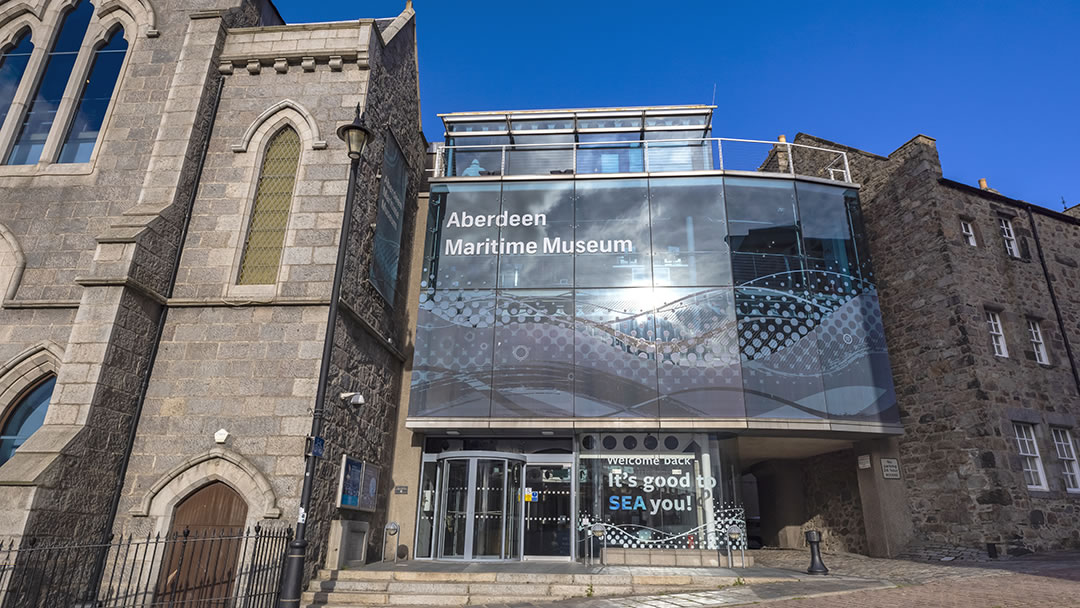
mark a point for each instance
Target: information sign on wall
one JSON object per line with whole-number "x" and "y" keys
{"x": 352, "y": 473}
{"x": 890, "y": 468}
{"x": 395, "y": 180}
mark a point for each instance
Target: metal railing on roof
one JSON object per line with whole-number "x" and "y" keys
{"x": 641, "y": 156}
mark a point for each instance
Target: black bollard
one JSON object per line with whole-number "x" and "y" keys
{"x": 813, "y": 538}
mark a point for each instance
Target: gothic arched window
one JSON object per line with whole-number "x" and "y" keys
{"x": 12, "y": 65}
{"x": 67, "y": 99}
{"x": 96, "y": 95}
{"x": 24, "y": 417}
{"x": 270, "y": 212}
{"x": 42, "y": 108}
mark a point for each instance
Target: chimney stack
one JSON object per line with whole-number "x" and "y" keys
{"x": 982, "y": 184}
{"x": 782, "y": 138}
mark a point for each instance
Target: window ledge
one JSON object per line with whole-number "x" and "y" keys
{"x": 46, "y": 169}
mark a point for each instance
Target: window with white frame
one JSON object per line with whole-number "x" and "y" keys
{"x": 1066, "y": 452}
{"x": 968, "y": 232}
{"x": 1009, "y": 236}
{"x": 1037, "y": 342}
{"x": 1029, "y": 452}
{"x": 997, "y": 334}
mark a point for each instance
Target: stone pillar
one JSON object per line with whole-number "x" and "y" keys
{"x": 886, "y": 514}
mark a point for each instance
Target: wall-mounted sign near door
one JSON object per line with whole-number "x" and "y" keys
{"x": 890, "y": 468}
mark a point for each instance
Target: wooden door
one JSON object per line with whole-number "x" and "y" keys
{"x": 199, "y": 568}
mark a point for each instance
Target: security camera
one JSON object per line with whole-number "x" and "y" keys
{"x": 352, "y": 398}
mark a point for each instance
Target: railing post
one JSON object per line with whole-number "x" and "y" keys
{"x": 645, "y": 151}
{"x": 720, "y": 153}
{"x": 847, "y": 171}
{"x": 790, "y": 159}
{"x": 502, "y": 160}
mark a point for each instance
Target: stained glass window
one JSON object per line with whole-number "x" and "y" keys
{"x": 273, "y": 199}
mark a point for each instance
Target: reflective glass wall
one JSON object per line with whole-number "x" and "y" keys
{"x": 681, "y": 297}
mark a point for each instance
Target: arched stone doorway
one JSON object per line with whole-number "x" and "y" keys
{"x": 206, "y": 533}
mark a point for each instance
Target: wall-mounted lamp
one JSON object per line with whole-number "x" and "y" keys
{"x": 352, "y": 398}
{"x": 355, "y": 136}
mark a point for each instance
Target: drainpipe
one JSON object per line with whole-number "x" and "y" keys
{"x": 1053, "y": 299}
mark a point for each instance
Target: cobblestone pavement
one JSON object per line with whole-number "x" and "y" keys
{"x": 855, "y": 581}
{"x": 1010, "y": 590}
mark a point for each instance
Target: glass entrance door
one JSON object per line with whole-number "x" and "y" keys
{"x": 548, "y": 525}
{"x": 479, "y": 508}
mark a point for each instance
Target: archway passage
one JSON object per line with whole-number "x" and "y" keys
{"x": 206, "y": 542}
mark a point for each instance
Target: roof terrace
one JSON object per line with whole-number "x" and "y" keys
{"x": 653, "y": 139}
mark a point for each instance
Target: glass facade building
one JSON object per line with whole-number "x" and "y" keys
{"x": 603, "y": 286}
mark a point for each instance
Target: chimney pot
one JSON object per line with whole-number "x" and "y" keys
{"x": 982, "y": 184}
{"x": 782, "y": 138}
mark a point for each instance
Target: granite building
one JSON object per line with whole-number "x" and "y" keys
{"x": 171, "y": 199}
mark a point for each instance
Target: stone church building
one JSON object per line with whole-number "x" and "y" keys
{"x": 172, "y": 196}
{"x": 168, "y": 238}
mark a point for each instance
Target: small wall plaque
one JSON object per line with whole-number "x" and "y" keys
{"x": 890, "y": 468}
{"x": 401, "y": 489}
{"x": 864, "y": 461}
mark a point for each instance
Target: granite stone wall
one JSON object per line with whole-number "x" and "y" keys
{"x": 831, "y": 491}
{"x": 958, "y": 401}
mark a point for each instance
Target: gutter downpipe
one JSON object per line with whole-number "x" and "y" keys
{"x": 1053, "y": 299}
{"x": 99, "y": 566}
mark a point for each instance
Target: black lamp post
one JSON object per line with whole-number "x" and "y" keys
{"x": 356, "y": 138}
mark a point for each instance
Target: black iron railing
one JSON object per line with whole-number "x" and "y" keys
{"x": 189, "y": 569}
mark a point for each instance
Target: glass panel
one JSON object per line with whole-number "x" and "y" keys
{"x": 96, "y": 95}
{"x": 453, "y": 356}
{"x": 778, "y": 341}
{"x": 614, "y": 353}
{"x": 490, "y": 503}
{"x": 854, "y": 360}
{"x": 764, "y": 235}
{"x": 548, "y": 208}
{"x": 685, "y": 120}
{"x": 27, "y": 417}
{"x": 611, "y": 157}
{"x": 388, "y": 220}
{"x": 12, "y": 65}
{"x": 543, "y": 125}
{"x": 425, "y": 526}
{"x": 540, "y": 160}
{"x": 534, "y": 356}
{"x": 698, "y": 350}
{"x": 548, "y": 519}
{"x": 833, "y": 265}
{"x": 612, "y": 234}
{"x": 659, "y": 490}
{"x": 761, "y": 215}
{"x": 456, "y": 508}
{"x": 42, "y": 109}
{"x": 629, "y": 136}
{"x": 615, "y": 122}
{"x": 694, "y": 155}
{"x": 513, "y": 509}
{"x": 476, "y": 126}
{"x": 461, "y": 250}
{"x": 270, "y": 213}
{"x": 689, "y": 232}
{"x": 475, "y": 156}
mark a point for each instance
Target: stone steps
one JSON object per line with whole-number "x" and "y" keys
{"x": 369, "y": 588}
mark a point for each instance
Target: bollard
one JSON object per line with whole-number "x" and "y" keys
{"x": 813, "y": 538}
{"x": 390, "y": 530}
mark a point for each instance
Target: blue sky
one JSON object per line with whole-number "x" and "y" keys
{"x": 996, "y": 83}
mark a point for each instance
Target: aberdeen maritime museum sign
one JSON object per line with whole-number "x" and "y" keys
{"x": 504, "y": 247}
